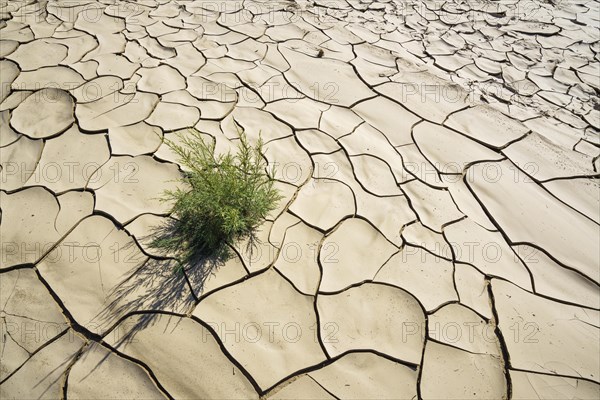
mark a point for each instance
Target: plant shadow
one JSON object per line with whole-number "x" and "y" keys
{"x": 168, "y": 282}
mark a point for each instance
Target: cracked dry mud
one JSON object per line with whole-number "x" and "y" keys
{"x": 439, "y": 233}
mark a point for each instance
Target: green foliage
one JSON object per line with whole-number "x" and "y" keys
{"x": 224, "y": 199}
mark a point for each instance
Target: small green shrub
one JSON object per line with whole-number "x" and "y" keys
{"x": 224, "y": 199}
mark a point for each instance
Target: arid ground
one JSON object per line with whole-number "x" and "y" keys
{"x": 439, "y": 233}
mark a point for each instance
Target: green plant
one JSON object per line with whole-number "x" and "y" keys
{"x": 224, "y": 199}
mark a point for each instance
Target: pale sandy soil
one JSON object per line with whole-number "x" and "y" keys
{"x": 439, "y": 235}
